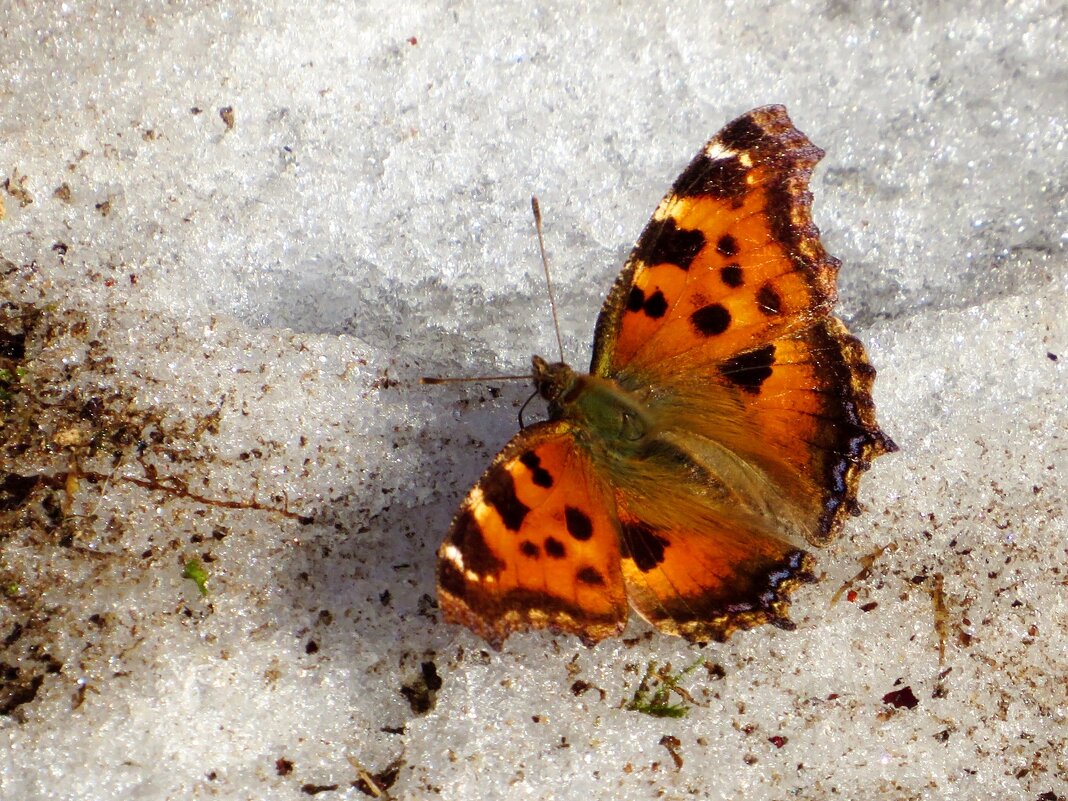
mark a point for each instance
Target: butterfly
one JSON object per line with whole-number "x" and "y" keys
{"x": 722, "y": 427}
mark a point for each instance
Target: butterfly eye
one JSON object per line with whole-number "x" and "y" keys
{"x": 631, "y": 427}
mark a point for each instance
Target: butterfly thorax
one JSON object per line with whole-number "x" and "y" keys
{"x": 599, "y": 405}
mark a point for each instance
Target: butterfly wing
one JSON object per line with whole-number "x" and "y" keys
{"x": 761, "y": 401}
{"x": 708, "y": 576}
{"x": 730, "y": 258}
{"x": 535, "y": 544}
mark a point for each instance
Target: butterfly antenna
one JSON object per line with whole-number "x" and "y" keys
{"x": 548, "y": 279}
{"x": 428, "y": 379}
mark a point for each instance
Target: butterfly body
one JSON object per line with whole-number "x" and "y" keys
{"x": 722, "y": 427}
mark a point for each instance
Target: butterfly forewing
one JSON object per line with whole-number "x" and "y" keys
{"x": 730, "y": 258}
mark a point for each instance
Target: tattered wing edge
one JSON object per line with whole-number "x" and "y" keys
{"x": 869, "y": 442}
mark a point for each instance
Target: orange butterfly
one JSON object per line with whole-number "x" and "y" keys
{"x": 724, "y": 423}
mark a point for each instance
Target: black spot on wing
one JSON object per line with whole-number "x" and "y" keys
{"x": 768, "y": 300}
{"x": 655, "y": 305}
{"x": 669, "y": 244}
{"x": 591, "y": 576}
{"x": 749, "y": 370}
{"x": 529, "y": 549}
{"x": 711, "y": 320}
{"x": 731, "y": 275}
{"x": 451, "y": 579}
{"x": 498, "y": 488}
{"x": 635, "y": 300}
{"x": 467, "y": 537}
{"x": 578, "y": 522}
{"x": 539, "y": 475}
{"x": 727, "y": 246}
{"x": 641, "y": 543}
{"x": 742, "y": 134}
{"x": 722, "y": 178}
{"x": 555, "y": 548}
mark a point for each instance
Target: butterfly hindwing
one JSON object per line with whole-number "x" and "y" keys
{"x": 705, "y": 583}
{"x": 535, "y": 544}
{"x": 714, "y": 521}
{"x": 808, "y": 420}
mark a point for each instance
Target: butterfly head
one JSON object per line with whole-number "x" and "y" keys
{"x": 556, "y": 382}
